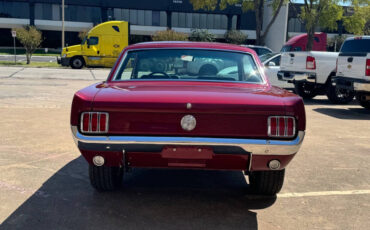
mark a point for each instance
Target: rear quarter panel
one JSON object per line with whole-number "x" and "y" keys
{"x": 82, "y": 102}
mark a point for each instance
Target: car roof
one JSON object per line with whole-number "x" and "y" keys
{"x": 185, "y": 44}
{"x": 358, "y": 37}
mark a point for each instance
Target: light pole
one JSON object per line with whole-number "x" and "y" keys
{"x": 62, "y": 24}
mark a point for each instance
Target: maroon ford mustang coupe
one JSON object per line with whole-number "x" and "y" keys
{"x": 188, "y": 105}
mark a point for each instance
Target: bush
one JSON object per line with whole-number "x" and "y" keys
{"x": 30, "y": 38}
{"x": 201, "y": 36}
{"x": 235, "y": 37}
{"x": 169, "y": 35}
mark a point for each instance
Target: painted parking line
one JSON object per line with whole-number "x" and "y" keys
{"x": 323, "y": 193}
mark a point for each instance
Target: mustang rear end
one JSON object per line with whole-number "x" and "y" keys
{"x": 153, "y": 111}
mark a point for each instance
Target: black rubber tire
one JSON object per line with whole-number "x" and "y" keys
{"x": 104, "y": 178}
{"x": 305, "y": 90}
{"x": 267, "y": 182}
{"x": 363, "y": 103}
{"x": 339, "y": 96}
{"x": 77, "y": 62}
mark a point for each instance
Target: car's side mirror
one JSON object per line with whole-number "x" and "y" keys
{"x": 271, "y": 63}
{"x": 88, "y": 43}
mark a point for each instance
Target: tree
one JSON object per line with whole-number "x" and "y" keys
{"x": 326, "y": 14}
{"x": 169, "y": 35}
{"x": 323, "y": 13}
{"x": 83, "y": 34}
{"x": 256, "y": 5}
{"x": 235, "y": 37}
{"x": 30, "y": 38}
{"x": 201, "y": 36}
{"x": 359, "y": 22}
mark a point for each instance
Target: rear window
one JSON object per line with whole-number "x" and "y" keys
{"x": 188, "y": 64}
{"x": 356, "y": 46}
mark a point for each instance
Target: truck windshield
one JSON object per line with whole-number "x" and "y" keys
{"x": 83, "y": 41}
{"x": 356, "y": 46}
{"x": 188, "y": 64}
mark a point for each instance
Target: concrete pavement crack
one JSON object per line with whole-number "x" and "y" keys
{"x": 11, "y": 75}
{"x": 92, "y": 74}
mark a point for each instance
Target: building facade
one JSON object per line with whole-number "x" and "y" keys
{"x": 145, "y": 18}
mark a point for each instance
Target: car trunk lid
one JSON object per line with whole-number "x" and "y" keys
{"x": 220, "y": 110}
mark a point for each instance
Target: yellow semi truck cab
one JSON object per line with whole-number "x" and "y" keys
{"x": 100, "y": 48}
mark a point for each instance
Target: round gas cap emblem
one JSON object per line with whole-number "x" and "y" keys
{"x": 188, "y": 122}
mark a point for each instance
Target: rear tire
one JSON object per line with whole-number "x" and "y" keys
{"x": 104, "y": 178}
{"x": 267, "y": 182}
{"x": 77, "y": 62}
{"x": 305, "y": 90}
{"x": 339, "y": 96}
{"x": 363, "y": 103}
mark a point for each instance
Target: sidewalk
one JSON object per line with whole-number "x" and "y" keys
{"x": 8, "y": 57}
{"x": 50, "y": 73}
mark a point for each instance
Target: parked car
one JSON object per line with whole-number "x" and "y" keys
{"x": 353, "y": 68}
{"x": 164, "y": 117}
{"x": 260, "y": 50}
{"x": 271, "y": 63}
{"x": 311, "y": 73}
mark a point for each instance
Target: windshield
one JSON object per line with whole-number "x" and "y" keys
{"x": 286, "y": 48}
{"x": 83, "y": 41}
{"x": 188, "y": 64}
{"x": 264, "y": 57}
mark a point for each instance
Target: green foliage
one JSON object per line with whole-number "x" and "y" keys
{"x": 359, "y": 22}
{"x": 169, "y": 35}
{"x": 256, "y": 5}
{"x": 201, "y": 36}
{"x": 235, "y": 37}
{"x": 323, "y": 13}
{"x": 30, "y": 38}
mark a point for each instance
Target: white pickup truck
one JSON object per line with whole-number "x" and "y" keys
{"x": 353, "y": 68}
{"x": 311, "y": 74}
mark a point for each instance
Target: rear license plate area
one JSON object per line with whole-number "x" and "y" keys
{"x": 187, "y": 152}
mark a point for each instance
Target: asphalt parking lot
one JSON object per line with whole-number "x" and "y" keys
{"x": 44, "y": 181}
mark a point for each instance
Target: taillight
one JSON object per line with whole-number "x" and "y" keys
{"x": 310, "y": 62}
{"x": 94, "y": 122}
{"x": 367, "y": 68}
{"x": 281, "y": 126}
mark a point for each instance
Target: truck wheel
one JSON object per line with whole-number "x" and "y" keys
{"x": 104, "y": 178}
{"x": 77, "y": 62}
{"x": 339, "y": 96}
{"x": 267, "y": 182}
{"x": 306, "y": 91}
{"x": 362, "y": 101}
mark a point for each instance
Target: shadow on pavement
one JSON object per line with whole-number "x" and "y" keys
{"x": 325, "y": 101}
{"x": 150, "y": 199}
{"x": 350, "y": 113}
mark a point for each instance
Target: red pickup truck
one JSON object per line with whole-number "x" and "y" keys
{"x": 153, "y": 112}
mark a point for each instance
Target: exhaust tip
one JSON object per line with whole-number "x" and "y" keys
{"x": 98, "y": 160}
{"x": 274, "y": 164}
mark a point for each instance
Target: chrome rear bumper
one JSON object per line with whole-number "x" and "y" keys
{"x": 253, "y": 146}
{"x": 349, "y": 83}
